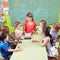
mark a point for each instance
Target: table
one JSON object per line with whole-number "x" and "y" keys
{"x": 30, "y": 51}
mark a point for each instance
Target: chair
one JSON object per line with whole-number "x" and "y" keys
{"x": 5, "y": 59}
{"x": 58, "y": 58}
{"x": 52, "y": 58}
{"x": 58, "y": 50}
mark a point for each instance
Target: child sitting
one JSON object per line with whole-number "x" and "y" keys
{"x": 54, "y": 31}
{"x": 48, "y": 42}
{"x": 18, "y": 32}
{"x": 4, "y": 46}
{"x": 42, "y": 26}
{"x": 11, "y": 39}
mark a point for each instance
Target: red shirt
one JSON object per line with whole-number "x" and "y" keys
{"x": 29, "y": 28}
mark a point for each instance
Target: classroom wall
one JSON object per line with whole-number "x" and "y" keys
{"x": 41, "y": 9}
{"x": 8, "y": 18}
{"x": 7, "y": 21}
{"x": 59, "y": 16}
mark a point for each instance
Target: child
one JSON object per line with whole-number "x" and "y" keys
{"x": 4, "y": 46}
{"x": 29, "y": 24}
{"x": 11, "y": 39}
{"x": 54, "y": 31}
{"x": 42, "y": 26}
{"x": 18, "y": 32}
{"x": 48, "y": 42}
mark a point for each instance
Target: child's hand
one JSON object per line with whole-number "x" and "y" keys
{"x": 33, "y": 32}
{"x": 18, "y": 49}
{"x": 34, "y": 41}
{"x": 16, "y": 41}
{"x": 20, "y": 42}
{"x": 22, "y": 37}
{"x": 41, "y": 41}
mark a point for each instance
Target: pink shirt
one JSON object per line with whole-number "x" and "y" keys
{"x": 18, "y": 33}
{"x": 29, "y": 28}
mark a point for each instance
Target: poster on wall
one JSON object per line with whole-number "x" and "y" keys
{"x": 1, "y": 7}
{"x": 5, "y": 7}
{"x": 2, "y": 18}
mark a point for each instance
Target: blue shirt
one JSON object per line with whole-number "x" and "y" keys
{"x": 4, "y": 46}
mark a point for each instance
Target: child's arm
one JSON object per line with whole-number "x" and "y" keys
{"x": 5, "y": 48}
{"x": 14, "y": 50}
{"x": 35, "y": 41}
{"x": 44, "y": 42}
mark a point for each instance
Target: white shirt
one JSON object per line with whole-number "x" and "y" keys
{"x": 18, "y": 33}
{"x": 51, "y": 50}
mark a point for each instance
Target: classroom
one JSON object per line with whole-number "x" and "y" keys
{"x": 29, "y": 29}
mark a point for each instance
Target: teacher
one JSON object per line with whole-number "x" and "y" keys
{"x": 29, "y": 24}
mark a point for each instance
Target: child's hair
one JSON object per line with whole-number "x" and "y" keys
{"x": 56, "y": 26}
{"x": 3, "y": 35}
{"x": 43, "y": 22}
{"x": 58, "y": 37}
{"x": 16, "y": 24}
{"x": 46, "y": 30}
{"x": 5, "y": 29}
{"x": 30, "y": 15}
